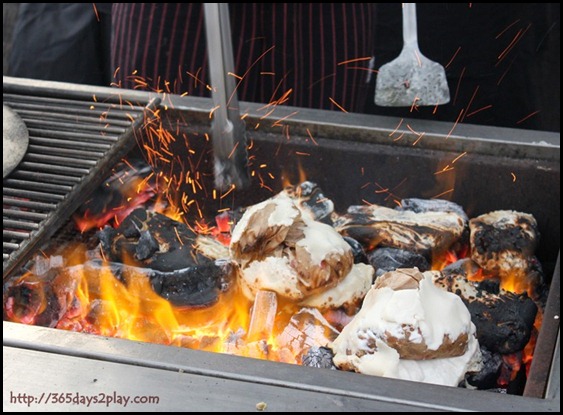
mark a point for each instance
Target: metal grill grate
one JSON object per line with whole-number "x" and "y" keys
{"x": 74, "y": 142}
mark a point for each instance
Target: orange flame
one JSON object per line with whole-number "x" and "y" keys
{"x": 95, "y": 300}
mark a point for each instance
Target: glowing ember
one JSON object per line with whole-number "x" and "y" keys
{"x": 94, "y": 296}
{"x": 81, "y": 290}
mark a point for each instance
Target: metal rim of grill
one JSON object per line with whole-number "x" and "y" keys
{"x": 73, "y": 143}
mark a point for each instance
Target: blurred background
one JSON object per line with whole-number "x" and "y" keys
{"x": 502, "y": 59}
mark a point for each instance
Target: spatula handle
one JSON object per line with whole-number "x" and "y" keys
{"x": 409, "y": 23}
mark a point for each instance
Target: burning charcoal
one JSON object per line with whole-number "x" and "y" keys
{"x": 409, "y": 329}
{"x": 285, "y": 355}
{"x": 30, "y": 302}
{"x": 137, "y": 236}
{"x": 46, "y": 299}
{"x": 424, "y": 233}
{"x": 172, "y": 258}
{"x": 226, "y": 222}
{"x": 146, "y": 247}
{"x": 513, "y": 373}
{"x": 195, "y": 286}
{"x": 357, "y": 251}
{"x": 503, "y": 242}
{"x": 42, "y": 265}
{"x": 431, "y": 205}
{"x": 310, "y": 199}
{"x": 306, "y": 329}
{"x": 504, "y": 320}
{"x": 258, "y": 349}
{"x": 202, "y": 343}
{"x": 263, "y": 316}
{"x": 106, "y": 237}
{"x": 320, "y": 357}
{"x": 487, "y": 377}
{"x": 390, "y": 259}
{"x": 117, "y": 196}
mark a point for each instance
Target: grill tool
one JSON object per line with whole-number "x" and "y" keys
{"x": 227, "y": 129}
{"x": 411, "y": 78}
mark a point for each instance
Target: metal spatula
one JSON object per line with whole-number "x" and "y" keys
{"x": 411, "y": 78}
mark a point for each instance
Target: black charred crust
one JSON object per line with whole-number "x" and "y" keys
{"x": 163, "y": 249}
{"x": 487, "y": 377}
{"x": 153, "y": 240}
{"x": 146, "y": 247}
{"x": 504, "y": 320}
{"x": 372, "y": 234}
{"x": 488, "y": 238}
{"x": 503, "y": 326}
{"x": 197, "y": 286}
{"x": 357, "y": 251}
{"x": 389, "y": 259}
{"x": 366, "y": 236}
{"x": 536, "y": 278}
{"x": 351, "y": 220}
{"x": 490, "y": 286}
{"x": 521, "y": 236}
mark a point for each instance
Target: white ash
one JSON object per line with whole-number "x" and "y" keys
{"x": 349, "y": 293}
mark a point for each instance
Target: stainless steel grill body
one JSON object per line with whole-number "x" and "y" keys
{"x": 347, "y": 149}
{"x": 74, "y": 143}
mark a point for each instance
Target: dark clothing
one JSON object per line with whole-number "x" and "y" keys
{"x": 300, "y": 47}
{"x": 62, "y": 42}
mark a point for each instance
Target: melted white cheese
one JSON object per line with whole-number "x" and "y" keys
{"x": 284, "y": 214}
{"x": 431, "y": 312}
{"x": 447, "y": 372}
{"x": 320, "y": 240}
{"x": 348, "y": 291}
{"x": 273, "y": 274}
{"x": 445, "y": 314}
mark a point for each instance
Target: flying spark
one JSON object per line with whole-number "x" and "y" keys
{"x": 367, "y": 58}
{"x": 337, "y": 105}
{"x": 527, "y": 117}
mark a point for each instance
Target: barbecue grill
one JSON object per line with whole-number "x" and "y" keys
{"x": 71, "y": 152}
